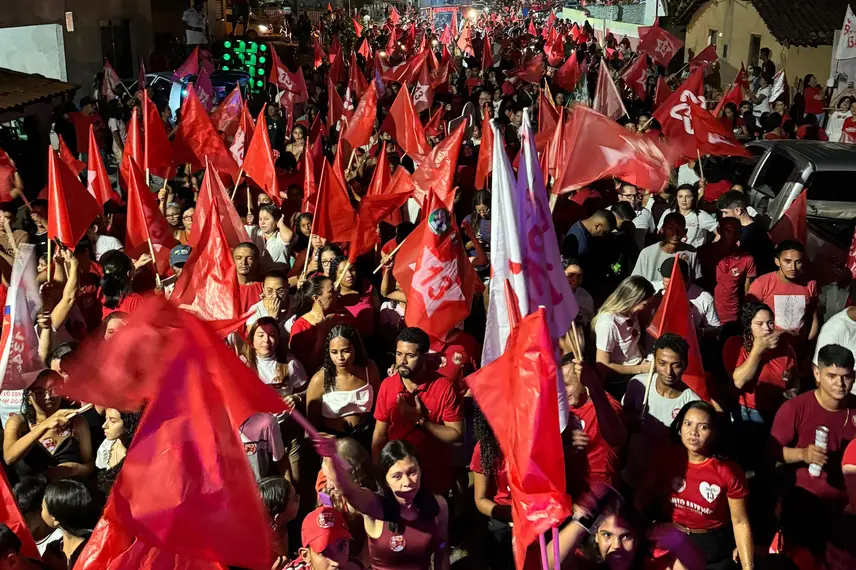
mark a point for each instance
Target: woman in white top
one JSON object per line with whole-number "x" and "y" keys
{"x": 119, "y": 428}
{"x": 701, "y": 226}
{"x": 835, "y": 122}
{"x": 341, "y": 395}
{"x": 616, "y": 329}
{"x": 269, "y": 357}
{"x": 273, "y": 238}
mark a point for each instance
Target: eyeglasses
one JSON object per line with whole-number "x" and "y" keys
{"x": 190, "y": 218}
{"x": 327, "y": 263}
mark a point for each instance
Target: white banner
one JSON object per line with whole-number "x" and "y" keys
{"x": 19, "y": 343}
{"x": 847, "y": 40}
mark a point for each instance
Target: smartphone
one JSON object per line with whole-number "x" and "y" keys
{"x": 325, "y": 499}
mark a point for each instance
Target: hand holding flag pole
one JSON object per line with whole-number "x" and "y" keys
{"x": 389, "y": 257}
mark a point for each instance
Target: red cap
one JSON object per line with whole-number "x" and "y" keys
{"x": 323, "y": 526}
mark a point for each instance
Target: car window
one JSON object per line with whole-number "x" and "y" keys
{"x": 775, "y": 171}
{"x": 834, "y": 186}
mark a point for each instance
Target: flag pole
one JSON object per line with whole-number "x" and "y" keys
{"x": 49, "y": 261}
{"x": 700, "y": 169}
{"x": 542, "y": 541}
{"x": 386, "y": 259}
{"x": 647, "y": 389}
{"x": 557, "y": 564}
{"x": 148, "y": 176}
{"x": 237, "y": 183}
{"x": 249, "y": 200}
{"x": 339, "y": 280}
{"x": 312, "y": 229}
{"x": 154, "y": 264}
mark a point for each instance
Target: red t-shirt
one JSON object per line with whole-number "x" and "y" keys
{"x": 791, "y": 302}
{"x": 848, "y": 130}
{"x": 849, "y": 457}
{"x": 307, "y": 340}
{"x": 441, "y": 405}
{"x": 795, "y": 425}
{"x": 456, "y": 358}
{"x": 697, "y": 494}
{"x": 729, "y": 271}
{"x": 498, "y": 483}
{"x": 600, "y": 462}
{"x": 766, "y": 392}
{"x": 88, "y": 300}
{"x": 250, "y": 295}
{"x": 128, "y": 304}
{"x": 812, "y": 106}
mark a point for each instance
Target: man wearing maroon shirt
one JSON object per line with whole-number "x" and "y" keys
{"x": 418, "y": 405}
{"x": 727, "y": 270}
{"x": 816, "y": 502}
{"x": 246, "y": 256}
{"x": 595, "y": 431}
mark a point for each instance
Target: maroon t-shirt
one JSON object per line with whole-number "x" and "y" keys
{"x": 598, "y": 462}
{"x": 795, "y": 425}
{"x": 725, "y": 275}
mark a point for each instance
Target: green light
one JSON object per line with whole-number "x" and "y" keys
{"x": 262, "y": 59}
{"x": 263, "y": 47}
{"x": 261, "y": 72}
{"x": 227, "y": 44}
{"x": 227, "y": 56}
{"x": 259, "y": 83}
{"x": 225, "y": 68}
{"x": 241, "y": 43}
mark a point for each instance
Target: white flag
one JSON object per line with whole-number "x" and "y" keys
{"x": 19, "y": 344}
{"x": 847, "y": 41}
{"x": 779, "y": 86}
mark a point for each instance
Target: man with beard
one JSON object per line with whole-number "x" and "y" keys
{"x": 418, "y": 405}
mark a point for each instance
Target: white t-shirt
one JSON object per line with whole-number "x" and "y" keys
{"x": 103, "y": 244}
{"x": 619, "y": 336}
{"x": 193, "y": 17}
{"x": 261, "y": 311}
{"x": 700, "y": 227}
{"x": 652, "y": 257}
{"x": 117, "y": 126}
{"x": 268, "y": 372}
{"x": 275, "y": 252}
{"x": 764, "y": 106}
{"x": 43, "y": 544}
{"x": 586, "y": 305}
{"x": 841, "y": 330}
{"x": 702, "y": 306}
{"x": 686, "y": 175}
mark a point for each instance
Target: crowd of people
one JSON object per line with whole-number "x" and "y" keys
{"x": 757, "y": 470}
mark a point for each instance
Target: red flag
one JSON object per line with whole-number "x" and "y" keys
{"x": 286, "y": 80}
{"x": 487, "y": 54}
{"x": 636, "y": 77}
{"x": 658, "y": 43}
{"x": 98, "y": 184}
{"x": 111, "y": 81}
{"x": 532, "y": 71}
{"x": 423, "y": 91}
{"x": 662, "y": 93}
{"x": 358, "y": 29}
{"x": 208, "y": 284}
{"x": 403, "y": 125}
{"x": 141, "y": 78}
{"x": 705, "y": 57}
{"x": 157, "y": 150}
{"x": 243, "y": 135}
{"x": 547, "y": 113}
{"x": 71, "y": 208}
{"x": 196, "y": 139}
{"x": 145, "y": 223}
{"x": 356, "y": 80}
{"x": 310, "y": 171}
{"x": 556, "y": 148}
{"x": 674, "y": 316}
{"x": 711, "y": 136}
{"x": 227, "y": 114}
{"x": 68, "y": 157}
{"x": 569, "y": 74}
{"x": 437, "y": 170}
{"x": 556, "y": 51}
{"x": 465, "y": 40}
{"x": 11, "y": 516}
{"x": 334, "y": 217}
{"x": 259, "y": 163}
{"x": 198, "y": 394}
{"x": 528, "y": 433}
{"x": 532, "y": 31}
{"x": 81, "y": 124}
{"x": 792, "y": 224}
{"x": 335, "y": 106}
{"x": 606, "y": 149}
{"x": 407, "y": 71}
{"x": 373, "y": 209}
{"x": 319, "y": 55}
{"x": 362, "y": 123}
{"x": 212, "y": 190}
{"x": 365, "y": 50}
{"x": 190, "y": 65}
{"x": 674, "y": 114}
{"x": 393, "y": 15}
{"x": 446, "y": 38}
{"x": 435, "y": 274}
{"x": 485, "y": 160}
{"x": 742, "y": 77}
{"x": 133, "y": 148}
{"x": 733, "y": 95}
{"x": 434, "y": 126}
{"x": 336, "y": 73}
{"x": 205, "y": 90}
{"x": 607, "y": 99}
{"x": 381, "y": 175}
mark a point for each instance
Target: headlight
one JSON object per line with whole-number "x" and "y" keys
{"x": 262, "y": 28}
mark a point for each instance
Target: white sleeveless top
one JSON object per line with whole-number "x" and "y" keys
{"x": 341, "y": 403}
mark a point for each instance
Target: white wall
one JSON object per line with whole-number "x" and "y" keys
{"x": 34, "y": 49}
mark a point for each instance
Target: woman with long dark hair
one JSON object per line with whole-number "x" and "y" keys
{"x": 309, "y": 331}
{"x": 479, "y": 220}
{"x": 47, "y": 438}
{"x": 407, "y": 526}
{"x": 273, "y": 238}
{"x": 701, "y": 226}
{"x": 119, "y": 428}
{"x": 357, "y": 298}
{"x": 340, "y": 398}
{"x": 268, "y": 356}
{"x": 116, "y": 283}
{"x": 69, "y": 506}
{"x": 700, "y": 492}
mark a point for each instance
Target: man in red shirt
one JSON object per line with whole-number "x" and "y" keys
{"x": 596, "y": 430}
{"x": 246, "y": 256}
{"x": 418, "y": 405}
{"x": 727, "y": 270}
{"x": 817, "y": 501}
{"x": 791, "y": 295}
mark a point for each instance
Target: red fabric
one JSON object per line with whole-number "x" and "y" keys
{"x": 607, "y": 99}
{"x": 636, "y": 77}
{"x": 212, "y": 190}
{"x": 81, "y": 124}
{"x": 196, "y": 140}
{"x": 597, "y": 147}
{"x": 68, "y": 157}
{"x": 133, "y": 149}
{"x": 734, "y": 95}
{"x": 485, "y": 159}
{"x": 71, "y": 209}
{"x": 441, "y": 405}
{"x": 528, "y": 432}
{"x": 599, "y": 462}
{"x": 658, "y": 43}
{"x": 795, "y": 425}
{"x": 548, "y": 115}
{"x": 205, "y": 90}
{"x": 711, "y": 137}
{"x": 813, "y": 106}
{"x": 696, "y": 495}
{"x": 356, "y": 80}
{"x": 98, "y": 184}
{"x": 729, "y": 271}
{"x": 849, "y": 457}
{"x": 792, "y": 225}
{"x": 531, "y": 71}
{"x": 465, "y": 40}
{"x": 336, "y": 73}
{"x": 250, "y": 294}
{"x": 197, "y": 394}
{"x": 675, "y": 115}
{"x": 318, "y": 55}
{"x": 393, "y": 15}
{"x": 498, "y": 489}
{"x": 556, "y": 147}
{"x": 310, "y": 186}
{"x": 673, "y": 316}
{"x": 662, "y": 93}
{"x": 361, "y": 124}
{"x": 423, "y": 92}
{"x": 190, "y": 65}
{"x": 128, "y": 304}
{"x": 146, "y": 223}
{"x": 373, "y": 209}
{"x": 705, "y": 57}
{"x": 227, "y": 114}
{"x": 365, "y": 50}
{"x": 156, "y": 145}
{"x": 402, "y": 124}
{"x": 792, "y": 303}
{"x": 456, "y": 357}
{"x": 259, "y": 162}
{"x": 7, "y": 177}
{"x": 532, "y": 31}
{"x": 335, "y": 106}
{"x": 437, "y": 171}
{"x": 556, "y": 55}
{"x": 243, "y": 135}
{"x": 487, "y": 53}
{"x": 11, "y": 516}
{"x": 334, "y": 219}
{"x": 285, "y": 79}
{"x": 766, "y": 392}
{"x": 358, "y": 29}
{"x": 435, "y": 125}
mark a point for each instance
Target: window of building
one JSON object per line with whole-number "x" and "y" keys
{"x": 712, "y": 36}
{"x": 754, "y": 50}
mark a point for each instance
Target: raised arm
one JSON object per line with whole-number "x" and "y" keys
{"x": 363, "y": 500}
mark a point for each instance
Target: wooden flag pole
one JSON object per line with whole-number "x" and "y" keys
{"x": 49, "y": 260}
{"x": 249, "y": 201}
{"x": 351, "y": 160}
{"x": 154, "y": 264}
{"x": 647, "y": 389}
{"x": 237, "y": 183}
{"x": 700, "y": 169}
{"x": 339, "y": 280}
{"x": 386, "y": 259}
{"x": 148, "y": 176}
